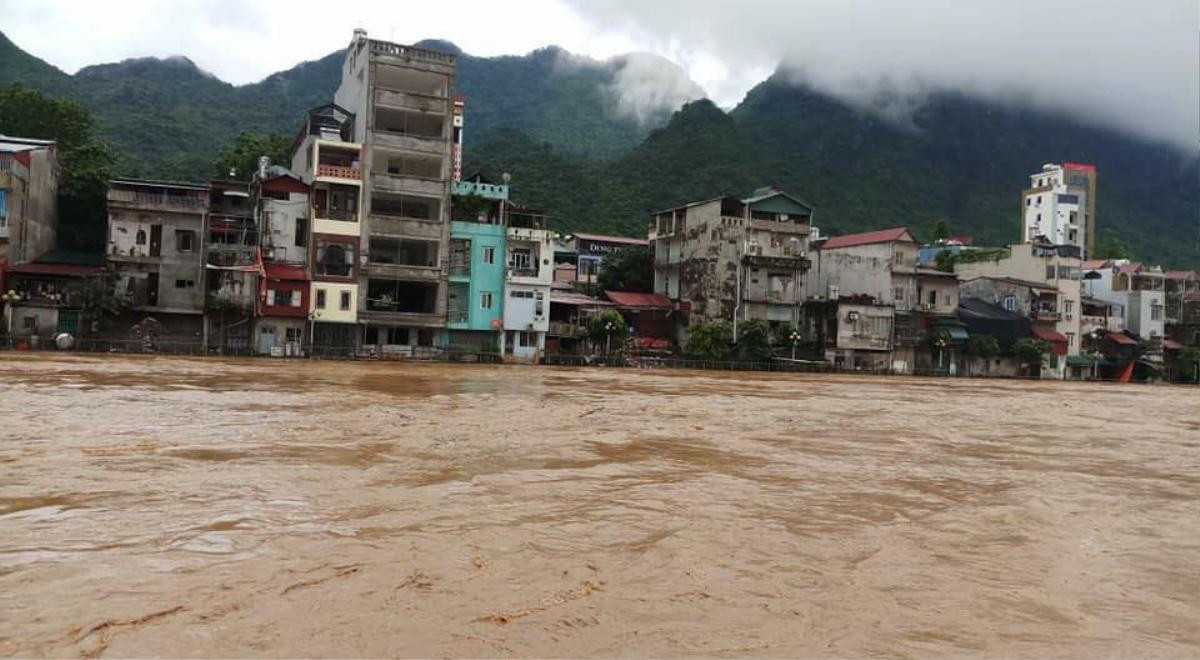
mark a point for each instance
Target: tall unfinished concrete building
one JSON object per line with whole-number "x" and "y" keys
{"x": 403, "y": 116}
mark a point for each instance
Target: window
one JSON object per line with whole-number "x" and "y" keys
{"x": 1068, "y": 199}
{"x": 295, "y": 299}
{"x": 1028, "y": 201}
{"x": 489, "y": 254}
{"x": 932, "y": 297}
{"x": 335, "y": 258}
{"x": 520, "y": 294}
{"x": 520, "y": 258}
{"x": 301, "y": 232}
{"x": 1156, "y": 312}
{"x": 1050, "y": 272}
{"x": 320, "y": 298}
{"x": 1071, "y": 339}
{"x": 1069, "y": 306}
{"x": 485, "y": 300}
{"x": 1038, "y": 218}
{"x": 271, "y": 296}
{"x": 184, "y": 240}
{"x": 540, "y": 305}
{"x": 1010, "y": 303}
{"x": 900, "y": 294}
{"x": 141, "y": 237}
{"x": 184, "y": 284}
{"x": 293, "y": 334}
{"x": 345, "y": 301}
{"x": 30, "y": 322}
{"x": 1039, "y": 202}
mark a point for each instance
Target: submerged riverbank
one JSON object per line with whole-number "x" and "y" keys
{"x": 181, "y": 506}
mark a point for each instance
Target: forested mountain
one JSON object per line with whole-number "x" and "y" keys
{"x": 554, "y": 121}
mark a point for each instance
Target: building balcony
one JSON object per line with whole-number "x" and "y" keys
{"x": 408, "y": 185}
{"x": 402, "y": 271}
{"x": 423, "y": 144}
{"x": 1046, "y": 315}
{"x": 343, "y": 173}
{"x": 402, "y": 226}
{"x": 226, "y": 257}
{"x": 409, "y": 54}
{"x": 780, "y": 262}
{"x": 565, "y": 329}
{"x": 158, "y": 201}
{"x": 411, "y": 101}
{"x": 779, "y": 227}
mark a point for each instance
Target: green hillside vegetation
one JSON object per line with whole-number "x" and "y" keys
{"x": 547, "y": 118}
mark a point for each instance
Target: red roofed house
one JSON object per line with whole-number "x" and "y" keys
{"x": 648, "y": 315}
{"x": 871, "y": 306}
{"x": 52, "y": 292}
{"x": 733, "y": 259}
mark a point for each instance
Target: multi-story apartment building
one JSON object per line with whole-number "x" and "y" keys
{"x": 474, "y": 309}
{"x": 28, "y": 199}
{"x": 1139, "y": 289}
{"x": 155, "y": 251}
{"x": 232, "y": 266}
{"x": 328, "y": 159}
{"x": 403, "y": 114}
{"x": 529, "y": 274}
{"x": 870, "y": 304}
{"x": 734, "y": 259}
{"x": 281, "y": 204}
{"x": 1058, "y": 304}
{"x": 1059, "y": 206}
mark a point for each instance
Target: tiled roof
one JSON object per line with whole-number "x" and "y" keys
{"x": 634, "y": 299}
{"x": 1181, "y": 274}
{"x": 576, "y": 298}
{"x": 1130, "y": 267}
{"x": 868, "y": 238}
{"x": 1121, "y": 338}
{"x": 1094, "y": 264}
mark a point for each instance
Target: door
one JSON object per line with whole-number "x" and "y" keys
{"x": 155, "y": 240}
{"x": 152, "y": 289}
{"x": 68, "y": 321}
{"x": 266, "y": 339}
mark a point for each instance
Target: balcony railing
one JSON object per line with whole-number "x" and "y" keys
{"x": 339, "y": 171}
{"x": 1047, "y": 315}
{"x": 411, "y": 101}
{"x": 565, "y": 329}
{"x": 149, "y": 199}
{"x": 530, "y": 271}
{"x": 409, "y": 52}
{"x": 336, "y": 214}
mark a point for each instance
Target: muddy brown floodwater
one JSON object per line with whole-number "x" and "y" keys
{"x": 184, "y": 507}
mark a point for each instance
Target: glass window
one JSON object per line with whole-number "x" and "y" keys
{"x": 489, "y": 254}
{"x": 345, "y": 301}
{"x": 270, "y": 296}
{"x": 301, "y": 232}
{"x": 1156, "y": 312}
{"x": 320, "y": 298}
{"x": 485, "y": 300}
{"x": 141, "y": 237}
{"x": 295, "y": 298}
{"x": 184, "y": 240}
{"x": 1010, "y": 303}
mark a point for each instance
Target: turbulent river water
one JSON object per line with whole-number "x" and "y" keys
{"x": 182, "y": 507}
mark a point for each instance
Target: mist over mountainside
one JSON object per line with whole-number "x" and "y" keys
{"x": 601, "y": 144}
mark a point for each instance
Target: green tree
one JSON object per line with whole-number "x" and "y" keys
{"x": 754, "y": 340}
{"x": 1187, "y": 365}
{"x": 984, "y": 347}
{"x": 241, "y": 157}
{"x": 1031, "y": 352}
{"x": 941, "y": 231}
{"x": 605, "y": 325}
{"x": 627, "y": 269}
{"x": 709, "y": 341}
{"x": 1111, "y": 247}
{"x": 86, "y": 162}
{"x": 945, "y": 261}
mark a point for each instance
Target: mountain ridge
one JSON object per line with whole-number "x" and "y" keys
{"x": 549, "y": 117}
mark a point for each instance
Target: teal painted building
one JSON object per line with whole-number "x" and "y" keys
{"x": 475, "y": 298}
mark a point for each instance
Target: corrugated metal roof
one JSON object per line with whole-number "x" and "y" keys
{"x": 635, "y": 299}
{"x": 613, "y": 239}
{"x": 284, "y": 271}
{"x": 1122, "y": 338}
{"x": 576, "y": 298}
{"x": 868, "y": 238}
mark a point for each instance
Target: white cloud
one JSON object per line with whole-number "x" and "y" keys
{"x": 1131, "y": 65}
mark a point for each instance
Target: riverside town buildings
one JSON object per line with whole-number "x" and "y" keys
{"x": 369, "y": 242}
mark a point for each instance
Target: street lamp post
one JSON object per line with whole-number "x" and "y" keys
{"x": 10, "y": 298}
{"x": 795, "y": 337}
{"x": 608, "y": 328}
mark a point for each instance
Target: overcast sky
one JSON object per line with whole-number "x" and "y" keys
{"x": 1129, "y": 64}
